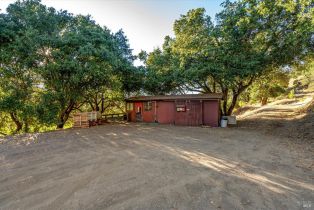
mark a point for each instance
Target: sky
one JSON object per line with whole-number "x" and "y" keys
{"x": 145, "y": 22}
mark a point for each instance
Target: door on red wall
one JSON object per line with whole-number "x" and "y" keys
{"x": 165, "y": 112}
{"x": 211, "y": 113}
{"x": 188, "y": 113}
{"x": 194, "y": 113}
{"x": 181, "y": 113}
{"x": 139, "y": 111}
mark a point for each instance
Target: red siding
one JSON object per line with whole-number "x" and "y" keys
{"x": 181, "y": 117}
{"x": 211, "y": 113}
{"x": 131, "y": 116}
{"x": 197, "y": 113}
{"x": 138, "y": 107}
{"x": 148, "y": 116}
{"x": 192, "y": 116}
{"x": 165, "y": 112}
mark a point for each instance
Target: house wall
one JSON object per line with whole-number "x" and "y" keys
{"x": 193, "y": 114}
{"x": 197, "y": 112}
{"x": 149, "y": 116}
{"x": 165, "y": 112}
{"x": 180, "y": 117}
{"x": 138, "y": 108}
{"x": 211, "y": 113}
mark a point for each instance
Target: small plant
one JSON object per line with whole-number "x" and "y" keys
{"x": 291, "y": 94}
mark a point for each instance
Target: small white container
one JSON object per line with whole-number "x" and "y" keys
{"x": 223, "y": 123}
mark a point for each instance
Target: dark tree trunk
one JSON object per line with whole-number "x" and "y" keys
{"x": 63, "y": 119}
{"x": 225, "y": 101}
{"x": 60, "y": 124}
{"x": 26, "y": 126}
{"x": 264, "y": 101}
{"x": 18, "y": 124}
{"x": 236, "y": 93}
{"x": 96, "y": 103}
{"x": 233, "y": 103}
{"x": 65, "y": 115}
{"x": 225, "y": 109}
{"x": 102, "y": 103}
{"x": 214, "y": 87}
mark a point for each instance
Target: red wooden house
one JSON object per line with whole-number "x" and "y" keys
{"x": 191, "y": 109}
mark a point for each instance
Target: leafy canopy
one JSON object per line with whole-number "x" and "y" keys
{"x": 246, "y": 41}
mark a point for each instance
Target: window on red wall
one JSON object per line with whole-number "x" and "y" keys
{"x": 148, "y": 106}
{"x": 180, "y": 108}
{"x": 129, "y": 106}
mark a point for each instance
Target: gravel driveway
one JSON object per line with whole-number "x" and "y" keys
{"x": 140, "y": 166}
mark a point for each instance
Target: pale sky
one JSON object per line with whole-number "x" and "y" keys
{"x": 145, "y": 22}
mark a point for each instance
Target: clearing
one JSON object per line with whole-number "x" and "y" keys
{"x": 140, "y": 166}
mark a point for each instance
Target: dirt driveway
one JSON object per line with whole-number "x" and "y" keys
{"x": 138, "y": 166}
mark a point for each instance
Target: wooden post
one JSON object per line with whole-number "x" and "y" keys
{"x": 155, "y": 111}
{"x": 202, "y": 120}
{"x": 126, "y": 111}
{"x": 175, "y": 111}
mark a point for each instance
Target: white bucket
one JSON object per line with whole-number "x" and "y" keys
{"x": 223, "y": 123}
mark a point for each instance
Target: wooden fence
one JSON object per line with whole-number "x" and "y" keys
{"x": 114, "y": 117}
{"x": 88, "y": 119}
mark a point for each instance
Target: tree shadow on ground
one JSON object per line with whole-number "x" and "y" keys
{"x": 299, "y": 130}
{"x": 225, "y": 168}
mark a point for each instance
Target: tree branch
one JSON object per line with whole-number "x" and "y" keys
{"x": 4, "y": 134}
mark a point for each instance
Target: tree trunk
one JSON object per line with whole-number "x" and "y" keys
{"x": 91, "y": 105}
{"x": 214, "y": 87}
{"x": 65, "y": 115}
{"x": 61, "y": 123}
{"x": 236, "y": 93}
{"x": 264, "y": 101}
{"x": 96, "y": 103}
{"x": 18, "y": 124}
{"x": 233, "y": 103}
{"x": 225, "y": 101}
{"x": 224, "y": 109}
{"x": 26, "y": 126}
{"x": 63, "y": 118}
{"x": 102, "y": 103}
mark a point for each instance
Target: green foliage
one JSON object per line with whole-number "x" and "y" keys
{"x": 306, "y": 71}
{"x": 291, "y": 94}
{"x": 52, "y": 61}
{"x": 79, "y": 59}
{"x": 17, "y": 63}
{"x": 161, "y": 73}
{"x": 270, "y": 85}
{"x": 248, "y": 39}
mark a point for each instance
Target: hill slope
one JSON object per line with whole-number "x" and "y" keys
{"x": 292, "y": 118}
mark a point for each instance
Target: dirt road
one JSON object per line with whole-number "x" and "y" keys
{"x": 140, "y": 166}
{"x": 290, "y": 118}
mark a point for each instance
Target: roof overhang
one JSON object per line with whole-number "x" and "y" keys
{"x": 212, "y": 96}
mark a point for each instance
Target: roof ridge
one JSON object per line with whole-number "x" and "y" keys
{"x": 173, "y": 97}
